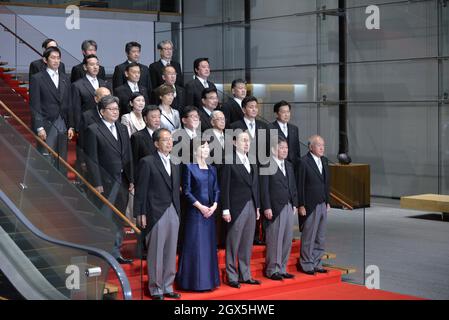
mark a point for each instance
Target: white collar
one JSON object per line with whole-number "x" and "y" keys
{"x": 281, "y": 124}
{"x": 189, "y": 132}
{"x": 279, "y": 162}
{"x": 150, "y": 131}
{"x": 207, "y": 111}
{"x": 107, "y": 123}
{"x": 132, "y": 84}
{"x": 163, "y": 157}
{"x": 248, "y": 121}
{"x": 90, "y": 78}
{"x": 201, "y": 79}
{"x": 165, "y": 62}
{"x": 238, "y": 101}
{"x": 51, "y": 72}
{"x": 241, "y": 156}
{"x": 317, "y": 159}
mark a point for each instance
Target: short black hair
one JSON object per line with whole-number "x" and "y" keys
{"x": 89, "y": 56}
{"x": 164, "y": 69}
{"x": 131, "y": 44}
{"x": 187, "y": 110}
{"x": 282, "y": 139}
{"x": 46, "y": 42}
{"x": 206, "y": 91}
{"x": 134, "y": 95}
{"x": 149, "y": 108}
{"x": 197, "y": 62}
{"x": 157, "y": 134}
{"x": 236, "y": 82}
{"x": 131, "y": 65}
{"x": 107, "y": 100}
{"x": 248, "y": 99}
{"x": 49, "y": 50}
{"x": 87, "y": 43}
{"x": 280, "y": 104}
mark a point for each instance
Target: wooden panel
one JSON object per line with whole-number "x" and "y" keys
{"x": 426, "y": 202}
{"x": 351, "y": 183}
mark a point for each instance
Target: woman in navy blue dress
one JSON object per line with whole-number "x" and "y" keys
{"x": 198, "y": 263}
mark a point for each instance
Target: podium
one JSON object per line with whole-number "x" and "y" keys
{"x": 351, "y": 183}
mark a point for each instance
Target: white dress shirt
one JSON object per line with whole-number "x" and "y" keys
{"x": 111, "y": 127}
{"x": 192, "y": 134}
{"x": 54, "y": 75}
{"x": 318, "y": 162}
{"x": 284, "y": 128}
{"x": 134, "y": 86}
{"x": 281, "y": 165}
{"x": 203, "y": 82}
{"x": 251, "y": 128}
{"x": 166, "y": 162}
{"x": 93, "y": 81}
{"x": 220, "y": 136}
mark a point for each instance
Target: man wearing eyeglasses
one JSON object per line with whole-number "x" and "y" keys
{"x": 166, "y": 49}
{"x": 110, "y": 165}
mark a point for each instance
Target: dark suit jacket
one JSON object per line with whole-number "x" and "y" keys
{"x": 313, "y": 187}
{"x": 205, "y": 120}
{"x": 232, "y": 112}
{"x": 78, "y": 72}
{"x": 119, "y": 77}
{"x": 87, "y": 118}
{"x": 238, "y": 187}
{"x": 294, "y": 149}
{"x": 241, "y": 124}
{"x": 39, "y": 65}
{"x": 156, "y": 190}
{"x": 83, "y": 94}
{"x": 124, "y": 93}
{"x": 142, "y": 145}
{"x": 194, "y": 90}
{"x": 277, "y": 190}
{"x": 156, "y": 73}
{"x": 108, "y": 160}
{"x": 178, "y": 103}
{"x": 47, "y": 102}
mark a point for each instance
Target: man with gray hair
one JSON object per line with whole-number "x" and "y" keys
{"x": 110, "y": 164}
{"x": 313, "y": 205}
{"x": 88, "y": 47}
{"x": 166, "y": 49}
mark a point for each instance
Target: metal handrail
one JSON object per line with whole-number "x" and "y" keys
{"x": 124, "y": 282}
{"x": 71, "y": 169}
{"x": 21, "y": 39}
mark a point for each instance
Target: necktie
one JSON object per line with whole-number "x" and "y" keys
{"x": 282, "y": 166}
{"x": 167, "y": 166}
{"x": 205, "y": 84}
{"x": 285, "y": 130}
{"x": 320, "y": 166}
{"x": 55, "y": 79}
{"x": 95, "y": 83}
{"x": 136, "y": 88}
{"x": 222, "y": 140}
{"x": 246, "y": 164}
{"x": 114, "y": 133}
{"x": 251, "y": 126}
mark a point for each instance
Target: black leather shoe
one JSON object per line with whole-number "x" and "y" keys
{"x": 251, "y": 281}
{"x": 122, "y": 260}
{"x": 172, "y": 295}
{"x": 259, "y": 243}
{"x": 287, "y": 276}
{"x": 157, "y": 297}
{"x": 322, "y": 270}
{"x": 276, "y": 276}
{"x": 234, "y": 284}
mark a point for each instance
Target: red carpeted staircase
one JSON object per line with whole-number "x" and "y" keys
{"x": 303, "y": 287}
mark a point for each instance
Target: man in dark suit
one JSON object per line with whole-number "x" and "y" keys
{"x": 40, "y": 65}
{"x": 313, "y": 202}
{"x": 119, "y": 78}
{"x": 109, "y": 161}
{"x": 240, "y": 204}
{"x": 156, "y": 68}
{"x": 186, "y": 138}
{"x": 169, "y": 76}
{"x": 157, "y": 208}
{"x": 142, "y": 141}
{"x": 209, "y": 98}
{"x": 88, "y": 47}
{"x": 51, "y": 105}
{"x": 232, "y": 109}
{"x": 279, "y": 199}
{"x": 257, "y": 130}
{"x": 124, "y": 92}
{"x": 83, "y": 90}
{"x": 288, "y": 131}
{"x": 195, "y": 87}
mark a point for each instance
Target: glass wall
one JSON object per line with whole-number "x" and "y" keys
{"x": 397, "y": 77}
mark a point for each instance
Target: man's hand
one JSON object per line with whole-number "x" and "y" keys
{"x": 70, "y": 133}
{"x": 42, "y": 134}
{"x": 227, "y": 218}
{"x": 142, "y": 221}
{"x": 328, "y": 207}
{"x": 131, "y": 188}
{"x": 268, "y": 214}
{"x": 302, "y": 211}
{"x": 99, "y": 189}
{"x": 295, "y": 210}
{"x": 257, "y": 214}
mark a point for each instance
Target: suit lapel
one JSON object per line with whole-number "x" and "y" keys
{"x": 89, "y": 87}
{"x": 280, "y": 175}
{"x": 243, "y": 172}
{"x": 162, "y": 170}
{"x": 109, "y": 137}
{"x": 313, "y": 164}
{"x": 51, "y": 85}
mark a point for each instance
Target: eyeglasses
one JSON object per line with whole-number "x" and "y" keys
{"x": 167, "y": 49}
{"x": 113, "y": 109}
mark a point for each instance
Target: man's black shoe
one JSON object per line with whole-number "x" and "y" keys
{"x": 287, "y": 275}
{"x": 173, "y": 295}
{"x": 322, "y": 270}
{"x": 157, "y": 297}
{"x": 251, "y": 281}
{"x": 234, "y": 284}
{"x": 259, "y": 243}
{"x": 276, "y": 276}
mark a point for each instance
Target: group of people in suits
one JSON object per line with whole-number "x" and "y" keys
{"x": 161, "y": 151}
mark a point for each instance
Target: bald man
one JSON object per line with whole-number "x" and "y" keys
{"x": 313, "y": 204}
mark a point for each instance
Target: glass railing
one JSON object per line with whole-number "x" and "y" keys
{"x": 37, "y": 183}
{"x": 44, "y": 268}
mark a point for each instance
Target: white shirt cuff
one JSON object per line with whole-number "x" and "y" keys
{"x": 226, "y": 212}
{"x": 39, "y": 129}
